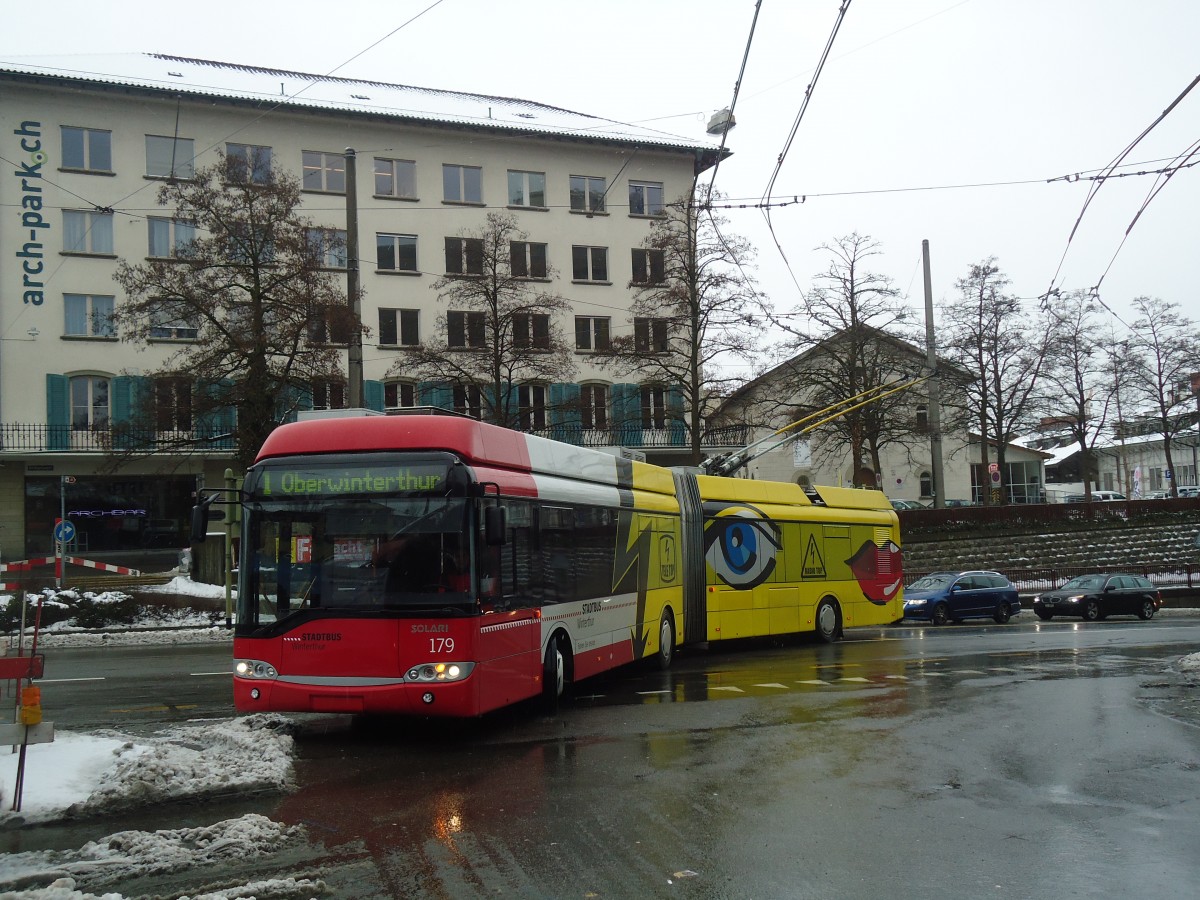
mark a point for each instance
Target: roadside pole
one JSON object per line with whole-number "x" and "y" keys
{"x": 934, "y": 391}
{"x": 230, "y": 491}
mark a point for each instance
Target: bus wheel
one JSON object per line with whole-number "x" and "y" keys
{"x": 829, "y": 621}
{"x": 554, "y": 673}
{"x": 666, "y": 641}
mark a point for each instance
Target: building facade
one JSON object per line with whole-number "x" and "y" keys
{"x": 84, "y": 154}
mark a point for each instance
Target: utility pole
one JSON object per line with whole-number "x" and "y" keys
{"x": 935, "y": 409}
{"x": 354, "y": 352}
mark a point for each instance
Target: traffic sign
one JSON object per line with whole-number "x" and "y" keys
{"x": 64, "y": 531}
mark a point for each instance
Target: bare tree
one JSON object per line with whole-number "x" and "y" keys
{"x": 856, "y": 348}
{"x": 1166, "y": 351}
{"x": 1075, "y": 389}
{"x": 243, "y": 300}
{"x": 986, "y": 332}
{"x": 695, "y": 305}
{"x": 499, "y": 343}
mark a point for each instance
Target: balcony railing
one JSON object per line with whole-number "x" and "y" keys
{"x": 634, "y": 436}
{"x": 119, "y": 439}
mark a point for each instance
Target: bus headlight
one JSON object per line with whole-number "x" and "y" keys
{"x": 432, "y": 673}
{"x": 254, "y": 668}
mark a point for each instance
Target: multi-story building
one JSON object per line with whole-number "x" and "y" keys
{"x": 85, "y": 144}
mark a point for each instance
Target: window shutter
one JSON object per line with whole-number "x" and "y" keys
{"x": 58, "y": 412}
{"x": 373, "y": 395}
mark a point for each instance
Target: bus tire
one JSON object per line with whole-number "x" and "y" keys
{"x": 828, "y": 620}
{"x": 554, "y": 672}
{"x": 666, "y": 641}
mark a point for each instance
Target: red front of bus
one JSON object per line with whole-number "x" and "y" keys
{"x": 367, "y": 586}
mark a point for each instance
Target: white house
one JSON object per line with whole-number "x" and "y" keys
{"x": 85, "y": 148}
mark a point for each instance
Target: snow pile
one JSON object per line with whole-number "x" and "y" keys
{"x": 88, "y": 775}
{"x": 253, "y": 753}
{"x": 54, "y": 874}
{"x": 1190, "y": 663}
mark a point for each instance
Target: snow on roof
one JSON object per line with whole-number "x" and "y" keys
{"x": 270, "y": 87}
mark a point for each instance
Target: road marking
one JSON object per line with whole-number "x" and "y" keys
{"x": 730, "y": 688}
{"x": 202, "y": 674}
{"x": 776, "y": 685}
{"x": 138, "y": 709}
{"x": 855, "y": 678}
{"x": 897, "y": 677}
{"x": 813, "y": 681}
{"x": 68, "y": 680}
{"x": 644, "y": 693}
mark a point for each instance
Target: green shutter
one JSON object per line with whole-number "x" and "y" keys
{"x": 676, "y": 418}
{"x": 373, "y": 395}
{"x": 58, "y": 412}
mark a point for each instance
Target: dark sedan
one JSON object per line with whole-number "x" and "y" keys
{"x": 1094, "y": 597}
{"x": 953, "y": 596}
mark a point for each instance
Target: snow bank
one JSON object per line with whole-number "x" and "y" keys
{"x": 87, "y": 775}
{"x": 54, "y": 874}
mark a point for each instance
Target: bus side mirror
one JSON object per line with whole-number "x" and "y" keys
{"x": 493, "y": 525}
{"x": 200, "y": 521}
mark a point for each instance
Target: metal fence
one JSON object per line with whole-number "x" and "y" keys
{"x": 109, "y": 439}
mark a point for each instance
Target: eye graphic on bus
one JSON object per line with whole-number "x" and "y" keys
{"x": 740, "y": 544}
{"x": 878, "y": 570}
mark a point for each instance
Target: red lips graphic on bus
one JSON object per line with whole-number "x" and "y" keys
{"x": 878, "y": 570}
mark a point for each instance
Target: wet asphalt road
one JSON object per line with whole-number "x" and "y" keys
{"x": 1031, "y": 760}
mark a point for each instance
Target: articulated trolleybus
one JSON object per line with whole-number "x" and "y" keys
{"x": 440, "y": 566}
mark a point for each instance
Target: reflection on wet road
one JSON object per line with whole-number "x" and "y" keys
{"x": 1026, "y": 762}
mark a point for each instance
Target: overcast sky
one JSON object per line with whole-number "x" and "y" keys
{"x": 917, "y": 99}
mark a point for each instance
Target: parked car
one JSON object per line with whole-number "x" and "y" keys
{"x": 953, "y": 503}
{"x": 1099, "y": 596}
{"x": 953, "y": 596}
{"x": 1188, "y": 490}
{"x": 908, "y": 504}
{"x": 1097, "y": 497}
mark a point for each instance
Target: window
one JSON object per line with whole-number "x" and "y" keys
{"x": 89, "y": 402}
{"x": 396, "y": 178}
{"x": 462, "y": 184}
{"x": 528, "y": 260}
{"x": 589, "y": 264}
{"x": 531, "y": 406}
{"x": 649, "y": 267}
{"x": 248, "y": 163}
{"x": 86, "y": 149}
{"x": 922, "y": 418}
{"x": 249, "y": 246}
{"x": 650, "y": 335}
{"x": 169, "y": 237}
{"x": 527, "y": 189}
{"x": 328, "y": 246}
{"x": 328, "y": 394}
{"x": 654, "y": 407}
{"x": 173, "y": 404}
{"x": 88, "y": 315}
{"x": 324, "y": 172}
{"x": 169, "y": 157}
{"x": 926, "y": 484}
{"x": 465, "y": 329}
{"x": 591, "y": 332}
{"x": 645, "y": 198}
{"x": 531, "y": 330}
{"x": 464, "y": 256}
{"x": 398, "y": 328}
{"x": 396, "y": 252}
{"x": 87, "y": 232}
{"x": 587, "y": 193}
{"x": 468, "y": 400}
{"x": 593, "y": 406}
{"x": 172, "y": 322}
{"x": 329, "y": 324}
{"x": 399, "y": 395}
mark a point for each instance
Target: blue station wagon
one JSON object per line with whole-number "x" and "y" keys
{"x": 943, "y": 597}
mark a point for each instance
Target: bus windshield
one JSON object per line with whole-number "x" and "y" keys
{"x": 321, "y": 546}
